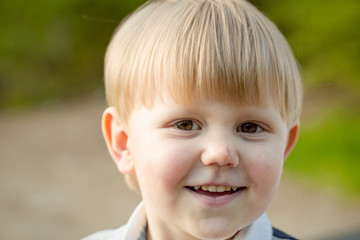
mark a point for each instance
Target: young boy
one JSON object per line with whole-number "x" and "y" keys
{"x": 205, "y": 98}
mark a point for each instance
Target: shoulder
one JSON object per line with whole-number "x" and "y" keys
{"x": 280, "y": 235}
{"x": 107, "y": 234}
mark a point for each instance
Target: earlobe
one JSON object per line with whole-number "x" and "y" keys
{"x": 293, "y": 136}
{"x": 117, "y": 141}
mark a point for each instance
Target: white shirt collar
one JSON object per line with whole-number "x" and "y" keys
{"x": 260, "y": 229}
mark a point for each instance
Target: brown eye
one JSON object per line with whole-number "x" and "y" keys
{"x": 249, "y": 128}
{"x": 187, "y": 125}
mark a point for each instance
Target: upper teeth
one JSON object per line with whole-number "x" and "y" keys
{"x": 213, "y": 188}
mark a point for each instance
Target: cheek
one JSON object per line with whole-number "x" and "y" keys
{"x": 165, "y": 165}
{"x": 265, "y": 168}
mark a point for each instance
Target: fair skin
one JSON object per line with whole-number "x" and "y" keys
{"x": 205, "y": 171}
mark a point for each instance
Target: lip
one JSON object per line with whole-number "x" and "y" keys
{"x": 216, "y": 199}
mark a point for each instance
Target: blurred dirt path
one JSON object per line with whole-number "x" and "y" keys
{"x": 58, "y": 182}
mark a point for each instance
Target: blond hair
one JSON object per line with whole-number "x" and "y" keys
{"x": 223, "y": 50}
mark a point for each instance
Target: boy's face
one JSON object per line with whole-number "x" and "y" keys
{"x": 207, "y": 170}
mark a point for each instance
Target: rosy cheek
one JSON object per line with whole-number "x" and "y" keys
{"x": 265, "y": 168}
{"x": 170, "y": 167}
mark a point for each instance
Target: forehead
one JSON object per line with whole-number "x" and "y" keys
{"x": 166, "y": 100}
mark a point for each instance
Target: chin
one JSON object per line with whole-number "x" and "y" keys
{"x": 216, "y": 233}
{"x": 217, "y": 236}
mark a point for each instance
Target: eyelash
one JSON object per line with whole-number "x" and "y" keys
{"x": 178, "y": 125}
{"x": 255, "y": 128}
{"x": 244, "y": 127}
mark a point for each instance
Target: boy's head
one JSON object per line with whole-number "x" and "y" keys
{"x": 204, "y": 97}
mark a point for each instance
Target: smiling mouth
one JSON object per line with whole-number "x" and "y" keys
{"x": 215, "y": 191}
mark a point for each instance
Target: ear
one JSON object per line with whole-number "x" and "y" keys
{"x": 293, "y": 136}
{"x": 116, "y": 140}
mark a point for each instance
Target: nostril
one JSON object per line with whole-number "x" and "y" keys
{"x": 231, "y": 165}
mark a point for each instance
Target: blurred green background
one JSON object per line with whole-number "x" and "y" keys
{"x": 52, "y": 51}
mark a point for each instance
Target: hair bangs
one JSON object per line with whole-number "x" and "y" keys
{"x": 215, "y": 53}
{"x": 202, "y": 50}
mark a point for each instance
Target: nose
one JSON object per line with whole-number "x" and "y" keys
{"x": 220, "y": 152}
